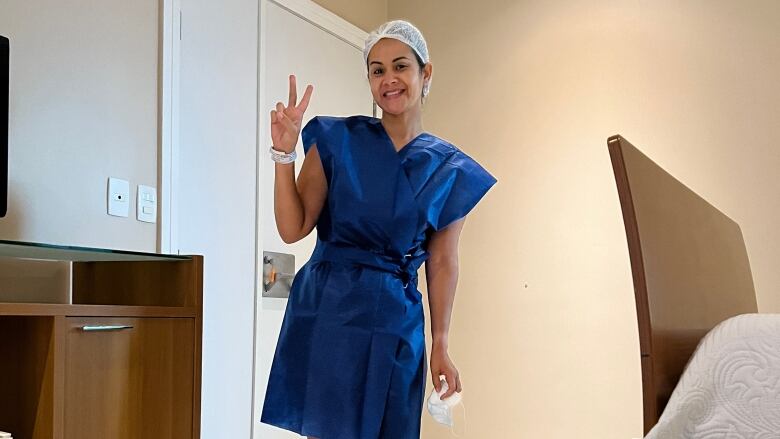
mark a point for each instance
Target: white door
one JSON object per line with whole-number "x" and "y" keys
{"x": 320, "y": 49}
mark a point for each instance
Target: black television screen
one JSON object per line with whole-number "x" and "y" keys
{"x": 4, "y": 55}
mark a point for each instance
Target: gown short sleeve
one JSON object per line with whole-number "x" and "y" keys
{"x": 311, "y": 134}
{"x": 318, "y": 131}
{"x": 459, "y": 185}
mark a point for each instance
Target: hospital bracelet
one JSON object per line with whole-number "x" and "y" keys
{"x": 282, "y": 157}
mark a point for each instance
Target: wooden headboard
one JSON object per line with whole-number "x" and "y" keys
{"x": 689, "y": 265}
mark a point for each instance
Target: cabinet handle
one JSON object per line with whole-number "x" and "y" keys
{"x": 105, "y": 328}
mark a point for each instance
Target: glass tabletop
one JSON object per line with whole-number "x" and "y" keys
{"x": 36, "y": 250}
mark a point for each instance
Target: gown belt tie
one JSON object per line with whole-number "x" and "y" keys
{"x": 404, "y": 267}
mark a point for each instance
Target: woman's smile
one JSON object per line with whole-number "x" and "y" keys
{"x": 394, "y": 94}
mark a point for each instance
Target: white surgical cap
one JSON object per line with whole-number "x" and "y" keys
{"x": 402, "y": 31}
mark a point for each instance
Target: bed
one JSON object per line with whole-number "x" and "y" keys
{"x": 692, "y": 279}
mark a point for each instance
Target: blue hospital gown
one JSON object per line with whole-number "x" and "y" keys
{"x": 350, "y": 362}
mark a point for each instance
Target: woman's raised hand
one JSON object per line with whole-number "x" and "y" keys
{"x": 286, "y": 121}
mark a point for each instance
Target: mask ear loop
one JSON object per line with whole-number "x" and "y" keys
{"x": 452, "y": 428}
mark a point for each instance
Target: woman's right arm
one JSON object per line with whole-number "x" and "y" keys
{"x": 296, "y": 206}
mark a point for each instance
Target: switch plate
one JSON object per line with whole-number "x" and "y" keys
{"x": 118, "y": 197}
{"x": 147, "y": 204}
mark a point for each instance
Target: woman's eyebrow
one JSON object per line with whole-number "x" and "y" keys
{"x": 380, "y": 63}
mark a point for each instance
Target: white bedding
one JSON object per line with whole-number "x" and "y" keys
{"x": 730, "y": 388}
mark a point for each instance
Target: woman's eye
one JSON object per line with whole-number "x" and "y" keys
{"x": 378, "y": 71}
{"x": 400, "y": 66}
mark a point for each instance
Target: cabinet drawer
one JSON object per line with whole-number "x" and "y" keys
{"x": 129, "y": 378}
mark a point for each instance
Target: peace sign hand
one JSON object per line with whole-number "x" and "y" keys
{"x": 286, "y": 121}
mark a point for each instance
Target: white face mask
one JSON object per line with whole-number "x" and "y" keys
{"x": 441, "y": 410}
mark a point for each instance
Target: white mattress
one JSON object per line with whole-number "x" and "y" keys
{"x": 730, "y": 388}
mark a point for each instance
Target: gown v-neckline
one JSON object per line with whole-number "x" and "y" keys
{"x": 398, "y": 152}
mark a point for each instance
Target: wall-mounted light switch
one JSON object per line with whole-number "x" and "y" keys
{"x": 118, "y": 197}
{"x": 147, "y": 204}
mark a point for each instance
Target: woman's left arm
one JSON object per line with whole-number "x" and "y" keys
{"x": 441, "y": 272}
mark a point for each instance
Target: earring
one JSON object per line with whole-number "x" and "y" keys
{"x": 426, "y": 89}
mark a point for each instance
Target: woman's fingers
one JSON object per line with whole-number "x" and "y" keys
{"x": 293, "y": 98}
{"x": 288, "y": 124}
{"x": 451, "y": 384}
{"x": 305, "y": 101}
{"x": 275, "y": 127}
{"x": 292, "y": 113}
{"x": 436, "y": 374}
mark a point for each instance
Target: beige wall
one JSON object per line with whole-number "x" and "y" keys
{"x": 365, "y": 14}
{"x": 544, "y": 328}
{"x": 83, "y": 107}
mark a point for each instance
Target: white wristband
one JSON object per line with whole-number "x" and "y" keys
{"x": 282, "y": 157}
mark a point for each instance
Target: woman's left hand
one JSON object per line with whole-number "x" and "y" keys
{"x": 442, "y": 365}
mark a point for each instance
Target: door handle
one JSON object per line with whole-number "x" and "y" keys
{"x": 92, "y": 328}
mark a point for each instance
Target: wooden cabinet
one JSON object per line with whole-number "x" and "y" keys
{"x": 121, "y": 360}
{"x": 129, "y": 377}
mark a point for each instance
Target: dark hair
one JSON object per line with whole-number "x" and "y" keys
{"x": 419, "y": 60}
{"x": 422, "y": 66}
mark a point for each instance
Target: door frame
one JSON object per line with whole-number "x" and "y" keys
{"x": 341, "y": 29}
{"x": 168, "y": 122}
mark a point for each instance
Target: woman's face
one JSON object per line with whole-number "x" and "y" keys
{"x": 395, "y": 76}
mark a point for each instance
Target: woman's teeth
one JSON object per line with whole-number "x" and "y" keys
{"x": 393, "y": 93}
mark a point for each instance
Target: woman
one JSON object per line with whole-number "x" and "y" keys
{"x": 385, "y": 197}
